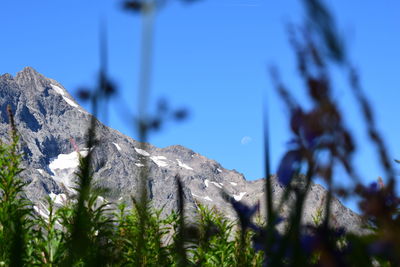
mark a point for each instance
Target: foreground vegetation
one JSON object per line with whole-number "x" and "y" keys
{"x": 98, "y": 233}
{"x": 87, "y": 231}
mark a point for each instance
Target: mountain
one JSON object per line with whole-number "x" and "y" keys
{"x": 51, "y": 125}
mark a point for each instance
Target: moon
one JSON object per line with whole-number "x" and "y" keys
{"x": 245, "y": 140}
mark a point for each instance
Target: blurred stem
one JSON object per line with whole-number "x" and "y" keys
{"x": 328, "y": 179}
{"x": 180, "y": 243}
{"x": 144, "y": 88}
{"x": 104, "y": 66}
{"x": 270, "y": 215}
{"x": 370, "y": 121}
{"x": 146, "y": 57}
{"x": 295, "y": 221}
{"x": 143, "y": 98}
{"x": 268, "y": 196}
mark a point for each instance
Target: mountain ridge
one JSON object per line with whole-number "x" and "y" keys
{"x": 48, "y": 117}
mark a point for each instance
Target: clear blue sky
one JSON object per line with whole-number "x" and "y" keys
{"x": 211, "y": 57}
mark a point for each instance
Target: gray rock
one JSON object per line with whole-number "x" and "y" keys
{"x": 50, "y": 122}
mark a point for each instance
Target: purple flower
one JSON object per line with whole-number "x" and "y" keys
{"x": 380, "y": 247}
{"x": 133, "y": 5}
{"x": 84, "y": 94}
{"x": 244, "y": 212}
{"x": 309, "y": 243}
{"x": 311, "y": 138}
{"x": 261, "y": 234}
{"x": 296, "y": 120}
{"x": 289, "y": 165}
{"x": 372, "y": 188}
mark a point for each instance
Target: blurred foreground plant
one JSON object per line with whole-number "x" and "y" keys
{"x": 15, "y": 226}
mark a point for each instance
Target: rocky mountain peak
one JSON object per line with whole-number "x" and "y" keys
{"x": 6, "y": 76}
{"x": 52, "y": 126}
{"x": 28, "y": 71}
{"x": 31, "y": 79}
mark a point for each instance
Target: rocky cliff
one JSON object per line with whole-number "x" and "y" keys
{"x": 48, "y": 118}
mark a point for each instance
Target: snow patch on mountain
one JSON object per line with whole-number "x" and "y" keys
{"x": 142, "y": 152}
{"x": 42, "y": 211}
{"x": 67, "y": 161}
{"x": 41, "y": 171}
{"x": 64, "y": 167}
{"x": 70, "y": 102}
{"x": 183, "y": 165}
{"x": 117, "y": 146}
{"x": 60, "y": 91}
{"x": 217, "y": 184}
{"x": 59, "y": 199}
{"x": 240, "y": 196}
{"x": 207, "y": 198}
{"x": 159, "y": 160}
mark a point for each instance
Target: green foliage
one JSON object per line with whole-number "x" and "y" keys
{"x": 94, "y": 234}
{"x": 219, "y": 242}
{"x": 88, "y": 223}
{"x": 48, "y": 240}
{"x": 317, "y": 217}
{"x": 214, "y": 245}
{"x": 14, "y": 209}
{"x": 154, "y": 250}
{"x": 88, "y": 231}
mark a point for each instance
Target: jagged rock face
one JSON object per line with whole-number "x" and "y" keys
{"x": 51, "y": 123}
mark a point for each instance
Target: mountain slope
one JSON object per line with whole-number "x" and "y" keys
{"x": 48, "y": 118}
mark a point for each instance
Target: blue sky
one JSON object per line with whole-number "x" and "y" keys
{"x": 211, "y": 57}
